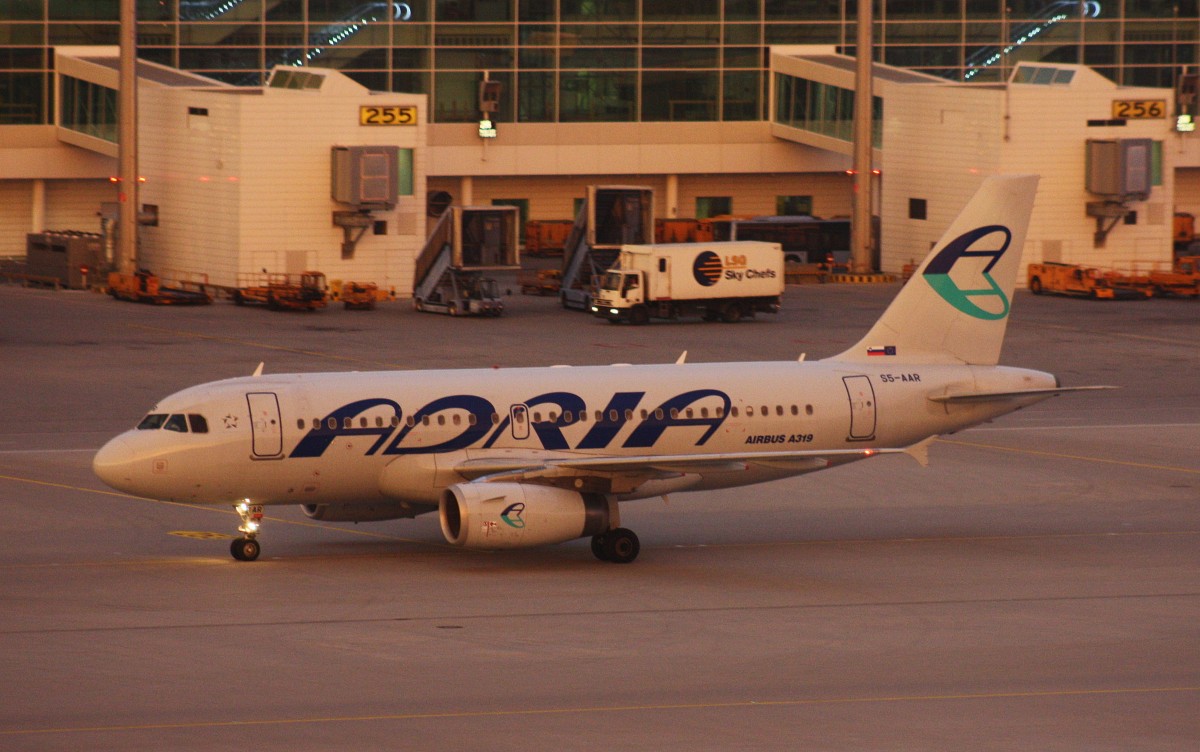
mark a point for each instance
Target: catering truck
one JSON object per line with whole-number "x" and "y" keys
{"x": 717, "y": 281}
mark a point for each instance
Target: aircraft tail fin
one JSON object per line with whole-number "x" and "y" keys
{"x": 955, "y": 307}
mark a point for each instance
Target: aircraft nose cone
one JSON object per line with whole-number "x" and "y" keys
{"x": 113, "y": 463}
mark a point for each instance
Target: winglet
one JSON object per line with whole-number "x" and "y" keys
{"x": 258, "y": 371}
{"x": 920, "y": 451}
{"x": 682, "y": 358}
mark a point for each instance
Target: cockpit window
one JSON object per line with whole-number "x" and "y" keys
{"x": 180, "y": 423}
{"x": 152, "y": 422}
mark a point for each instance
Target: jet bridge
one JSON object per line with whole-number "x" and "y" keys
{"x": 611, "y": 216}
{"x": 466, "y": 242}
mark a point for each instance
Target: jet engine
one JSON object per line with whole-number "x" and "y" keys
{"x": 359, "y": 511}
{"x": 520, "y": 515}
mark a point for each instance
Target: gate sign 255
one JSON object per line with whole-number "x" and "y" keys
{"x": 391, "y": 115}
{"x": 1139, "y": 109}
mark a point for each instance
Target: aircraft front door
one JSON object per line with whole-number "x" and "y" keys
{"x": 862, "y": 407}
{"x": 265, "y": 425}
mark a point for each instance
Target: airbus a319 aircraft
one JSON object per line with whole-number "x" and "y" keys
{"x": 519, "y": 457}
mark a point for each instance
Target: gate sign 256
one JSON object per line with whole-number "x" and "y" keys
{"x": 1139, "y": 109}
{"x": 392, "y": 115}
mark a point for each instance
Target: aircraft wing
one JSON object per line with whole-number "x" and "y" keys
{"x": 632, "y": 471}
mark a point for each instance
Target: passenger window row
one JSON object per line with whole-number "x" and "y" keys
{"x": 614, "y": 416}
{"x": 568, "y": 417}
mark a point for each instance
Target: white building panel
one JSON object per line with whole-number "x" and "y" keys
{"x": 16, "y": 196}
{"x": 941, "y": 140}
{"x": 247, "y": 179}
{"x": 75, "y": 204}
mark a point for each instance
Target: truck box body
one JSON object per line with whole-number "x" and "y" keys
{"x": 715, "y": 280}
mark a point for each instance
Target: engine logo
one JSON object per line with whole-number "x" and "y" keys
{"x": 707, "y": 268}
{"x": 512, "y": 515}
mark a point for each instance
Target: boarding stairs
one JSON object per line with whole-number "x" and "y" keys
{"x": 608, "y": 218}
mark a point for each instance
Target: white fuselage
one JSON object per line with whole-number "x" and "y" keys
{"x": 397, "y": 437}
{"x": 520, "y": 457}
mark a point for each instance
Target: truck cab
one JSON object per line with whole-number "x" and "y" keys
{"x": 621, "y": 296}
{"x": 622, "y": 288}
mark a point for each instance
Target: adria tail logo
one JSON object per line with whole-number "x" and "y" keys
{"x": 988, "y": 242}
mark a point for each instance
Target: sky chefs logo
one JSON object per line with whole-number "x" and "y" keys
{"x": 989, "y": 242}
{"x": 707, "y": 268}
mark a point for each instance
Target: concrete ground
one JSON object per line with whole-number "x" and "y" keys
{"x": 1037, "y": 587}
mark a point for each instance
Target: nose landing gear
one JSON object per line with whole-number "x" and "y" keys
{"x": 247, "y": 548}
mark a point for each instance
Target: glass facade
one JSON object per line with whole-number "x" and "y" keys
{"x": 89, "y": 108}
{"x": 822, "y": 108}
{"x": 591, "y": 60}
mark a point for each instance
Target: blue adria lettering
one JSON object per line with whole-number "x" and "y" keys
{"x": 550, "y": 433}
{"x": 340, "y": 423}
{"x": 472, "y": 430}
{"x": 464, "y": 420}
{"x": 674, "y": 412}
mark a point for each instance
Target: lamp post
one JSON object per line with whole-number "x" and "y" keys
{"x": 127, "y": 228}
{"x": 861, "y": 245}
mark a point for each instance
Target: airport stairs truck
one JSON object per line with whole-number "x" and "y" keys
{"x": 717, "y": 281}
{"x": 467, "y": 242}
{"x": 609, "y": 217}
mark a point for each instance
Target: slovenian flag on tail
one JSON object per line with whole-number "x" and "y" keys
{"x": 887, "y": 350}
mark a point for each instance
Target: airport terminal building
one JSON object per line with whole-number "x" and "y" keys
{"x": 730, "y": 107}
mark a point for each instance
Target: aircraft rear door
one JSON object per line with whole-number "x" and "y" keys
{"x": 862, "y": 407}
{"x": 265, "y": 425}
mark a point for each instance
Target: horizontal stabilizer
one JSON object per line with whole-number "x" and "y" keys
{"x": 965, "y": 397}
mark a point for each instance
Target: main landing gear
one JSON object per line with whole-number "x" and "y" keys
{"x": 246, "y": 548}
{"x": 619, "y": 545}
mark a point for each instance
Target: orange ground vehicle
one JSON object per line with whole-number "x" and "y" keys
{"x": 682, "y": 230}
{"x": 306, "y": 291}
{"x": 144, "y": 287}
{"x": 1182, "y": 281}
{"x": 546, "y": 237}
{"x": 1081, "y": 281}
{"x": 540, "y": 282}
{"x": 359, "y": 296}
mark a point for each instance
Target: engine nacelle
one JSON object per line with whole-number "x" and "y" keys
{"x": 519, "y": 515}
{"x": 358, "y": 511}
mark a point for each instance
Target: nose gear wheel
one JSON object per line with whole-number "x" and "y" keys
{"x": 247, "y": 547}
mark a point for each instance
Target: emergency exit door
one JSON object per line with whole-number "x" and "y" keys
{"x": 518, "y": 416}
{"x": 862, "y": 407}
{"x": 265, "y": 425}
